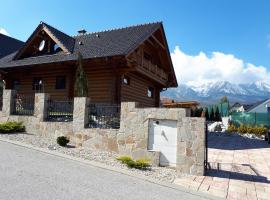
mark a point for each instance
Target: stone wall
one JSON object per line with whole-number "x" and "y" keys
{"x": 132, "y": 137}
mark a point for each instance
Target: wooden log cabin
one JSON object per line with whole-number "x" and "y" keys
{"x": 125, "y": 64}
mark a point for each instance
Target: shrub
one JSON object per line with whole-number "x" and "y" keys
{"x": 259, "y": 130}
{"x": 62, "y": 141}
{"x": 218, "y": 128}
{"x": 11, "y": 127}
{"x": 138, "y": 164}
{"x": 242, "y": 129}
{"x": 232, "y": 129}
{"x": 124, "y": 159}
{"x": 142, "y": 164}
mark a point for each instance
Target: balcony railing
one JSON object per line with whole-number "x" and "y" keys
{"x": 154, "y": 69}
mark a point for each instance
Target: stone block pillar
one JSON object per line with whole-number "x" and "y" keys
{"x": 80, "y": 113}
{"x": 80, "y": 118}
{"x": 40, "y": 110}
{"x": 191, "y": 146}
{"x": 7, "y": 102}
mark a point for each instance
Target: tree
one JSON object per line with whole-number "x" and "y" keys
{"x": 217, "y": 115}
{"x": 81, "y": 83}
{"x": 206, "y": 114}
{"x": 212, "y": 115}
{"x": 224, "y": 99}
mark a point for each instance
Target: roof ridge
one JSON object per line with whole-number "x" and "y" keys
{"x": 49, "y": 26}
{"x": 120, "y": 28}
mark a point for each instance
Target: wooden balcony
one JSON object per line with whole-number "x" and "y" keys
{"x": 153, "y": 71}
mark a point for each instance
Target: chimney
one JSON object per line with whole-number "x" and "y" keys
{"x": 82, "y": 32}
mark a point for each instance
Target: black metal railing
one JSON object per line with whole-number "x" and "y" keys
{"x": 1, "y": 102}
{"x": 60, "y": 110}
{"x": 22, "y": 104}
{"x": 104, "y": 116}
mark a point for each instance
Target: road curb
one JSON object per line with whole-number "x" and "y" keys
{"x": 113, "y": 169}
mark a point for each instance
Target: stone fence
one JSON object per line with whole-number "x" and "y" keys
{"x": 132, "y": 137}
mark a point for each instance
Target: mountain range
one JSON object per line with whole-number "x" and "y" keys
{"x": 212, "y": 92}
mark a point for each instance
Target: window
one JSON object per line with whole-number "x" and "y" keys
{"x": 268, "y": 109}
{"x": 150, "y": 92}
{"x": 16, "y": 85}
{"x": 37, "y": 84}
{"x": 60, "y": 82}
{"x": 126, "y": 80}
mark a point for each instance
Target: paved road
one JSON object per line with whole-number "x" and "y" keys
{"x": 29, "y": 174}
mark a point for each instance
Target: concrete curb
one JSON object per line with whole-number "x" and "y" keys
{"x": 113, "y": 169}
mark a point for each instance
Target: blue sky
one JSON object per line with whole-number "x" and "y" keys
{"x": 238, "y": 28}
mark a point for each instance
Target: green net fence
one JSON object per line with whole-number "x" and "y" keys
{"x": 254, "y": 119}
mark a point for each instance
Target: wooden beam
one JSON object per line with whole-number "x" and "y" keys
{"x": 56, "y": 40}
{"x": 159, "y": 43}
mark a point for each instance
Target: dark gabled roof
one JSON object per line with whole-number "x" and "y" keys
{"x": 116, "y": 42}
{"x": 65, "y": 39}
{"x": 8, "y": 45}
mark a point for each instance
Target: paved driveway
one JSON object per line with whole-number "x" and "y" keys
{"x": 27, "y": 174}
{"x": 240, "y": 169}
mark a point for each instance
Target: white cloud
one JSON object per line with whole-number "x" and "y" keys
{"x": 3, "y": 31}
{"x": 218, "y": 66}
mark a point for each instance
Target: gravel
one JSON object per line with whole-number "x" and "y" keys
{"x": 109, "y": 158}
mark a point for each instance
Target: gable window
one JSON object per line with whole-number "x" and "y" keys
{"x": 150, "y": 92}
{"x": 126, "y": 80}
{"x": 16, "y": 85}
{"x": 37, "y": 84}
{"x": 60, "y": 82}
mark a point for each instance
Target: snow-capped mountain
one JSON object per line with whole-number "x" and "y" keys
{"x": 211, "y": 92}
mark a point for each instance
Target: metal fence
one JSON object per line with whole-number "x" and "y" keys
{"x": 104, "y": 116}
{"x": 253, "y": 119}
{"x": 60, "y": 110}
{"x": 22, "y": 104}
{"x": 1, "y": 102}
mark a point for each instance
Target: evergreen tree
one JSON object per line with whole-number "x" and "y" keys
{"x": 206, "y": 114}
{"x": 217, "y": 115}
{"x": 224, "y": 99}
{"x": 81, "y": 83}
{"x": 212, "y": 115}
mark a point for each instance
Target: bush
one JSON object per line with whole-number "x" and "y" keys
{"x": 142, "y": 164}
{"x": 218, "y": 128}
{"x": 232, "y": 129}
{"x": 257, "y": 130}
{"x": 12, "y": 127}
{"x": 242, "y": 129}
{"x": 124, "y": 159}
{"x": 138, "y": 164}
{"x": 62, "y": 141}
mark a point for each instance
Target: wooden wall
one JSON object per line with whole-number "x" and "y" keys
{"x": 48, "y": 75}
{"x": 101, "y": 81}
{"x": 105, "y": 86}
{"x": 137, "y": 91}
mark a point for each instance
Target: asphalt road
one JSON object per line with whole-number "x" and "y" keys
{"x": 26, "y": 174}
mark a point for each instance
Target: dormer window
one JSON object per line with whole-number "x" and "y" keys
{"x": 42, "y": 45}
{"x": 56, "y": 48}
